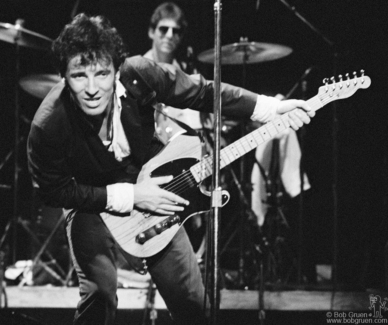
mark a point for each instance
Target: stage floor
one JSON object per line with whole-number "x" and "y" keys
{"x": 51, "y": 305}
{"x": 290, "y": 300}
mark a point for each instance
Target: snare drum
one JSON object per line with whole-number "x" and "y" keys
{"x": 166, "y": 128}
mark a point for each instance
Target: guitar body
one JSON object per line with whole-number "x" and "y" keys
{"x": 175, "y": 158}
{"x": 142, "y": 234}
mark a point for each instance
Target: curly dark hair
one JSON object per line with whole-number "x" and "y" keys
{"x": 91, "y": 37}
{"x": 168, "y": 10}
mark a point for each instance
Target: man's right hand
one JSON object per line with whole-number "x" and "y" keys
{"x": 149, "y": 196}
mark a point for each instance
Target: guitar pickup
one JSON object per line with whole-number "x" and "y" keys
{"x": 157, "y": 229}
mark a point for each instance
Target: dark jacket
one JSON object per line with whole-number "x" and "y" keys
{"x": 68, "y": 162}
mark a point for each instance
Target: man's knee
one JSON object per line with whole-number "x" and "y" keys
{"x": 100, "y": 293}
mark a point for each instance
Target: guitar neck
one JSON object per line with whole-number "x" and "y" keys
{"x": 239, "y": 148}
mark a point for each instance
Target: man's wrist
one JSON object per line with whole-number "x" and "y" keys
{"x": 265, "y": 109}
{"x": 120, "y": 197}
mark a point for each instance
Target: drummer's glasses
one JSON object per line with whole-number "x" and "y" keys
{"x": 175, "y": 30}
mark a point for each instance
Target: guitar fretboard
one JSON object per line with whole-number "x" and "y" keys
{"x": 237, "y": 149}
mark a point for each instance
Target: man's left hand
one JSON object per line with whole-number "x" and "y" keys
{"x": 299, "y": 112}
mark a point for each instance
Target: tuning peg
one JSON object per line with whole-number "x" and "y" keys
{"x": 347, "y": 80}
{"x": 362, "y": 76}
{"x": 340, "y": 82}
{"x": 326, "y": 81}
{"x": 333, "y": 81}
{"x": 355, "y": 78}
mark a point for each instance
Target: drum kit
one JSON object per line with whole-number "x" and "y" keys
{"x": 241, "y": 53}
{"x": 38, "y": 85}
{"x": 254, "y": 246}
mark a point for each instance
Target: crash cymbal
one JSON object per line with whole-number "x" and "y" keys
{"x": 246, "y": 52}
{"x": 39, "y": 85}
{"x": 15, "y": 34}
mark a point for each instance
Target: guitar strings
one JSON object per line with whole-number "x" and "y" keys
{"x": 186, "y": 180}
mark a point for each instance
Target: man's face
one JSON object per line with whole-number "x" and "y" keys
{"x": 92, "y": 85}
{"x": 166, "y": 36}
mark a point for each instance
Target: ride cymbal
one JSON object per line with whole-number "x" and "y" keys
{"x": 16, "y": 34}
{"x": 245, "y": 52}
{"x": 39, "y": 85}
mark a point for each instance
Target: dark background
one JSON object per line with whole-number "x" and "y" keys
{"x": 356, "y": 202}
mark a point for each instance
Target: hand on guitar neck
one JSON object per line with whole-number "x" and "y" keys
{"x": 299, "y": 112}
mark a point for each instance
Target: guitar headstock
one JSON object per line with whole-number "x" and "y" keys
{"x": 344, "y": 88}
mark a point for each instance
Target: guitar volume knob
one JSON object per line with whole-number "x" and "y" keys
{"x": 158, "y": 228}
{"x": 141, "y": 238}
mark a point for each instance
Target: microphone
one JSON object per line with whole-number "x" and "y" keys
{"x": 307, "y": 72}
{"x": 75, "y": 9}
{"x": 302, "y": 78}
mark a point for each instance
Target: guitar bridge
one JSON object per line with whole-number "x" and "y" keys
{"x": 157, "y": 229}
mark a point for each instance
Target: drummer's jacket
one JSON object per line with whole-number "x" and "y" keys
{"x": 70, "y": 165}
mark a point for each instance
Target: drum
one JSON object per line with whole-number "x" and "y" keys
{"x": 166, "y": 128}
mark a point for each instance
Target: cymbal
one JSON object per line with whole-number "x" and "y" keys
{"x": 246, "y": 52}
{"x": 15, "y": 34}
{"x": 39, "y": 85}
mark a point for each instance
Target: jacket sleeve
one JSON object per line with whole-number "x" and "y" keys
{"x": 52, "y": 178}
{"x": 173, "y": 87}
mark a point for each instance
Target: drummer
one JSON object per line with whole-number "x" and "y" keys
{"x": 167, "y": 28}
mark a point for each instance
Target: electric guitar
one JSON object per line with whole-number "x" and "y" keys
{"x": 142, "y": 234}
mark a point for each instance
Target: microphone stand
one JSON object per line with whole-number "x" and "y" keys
{"x": 216, "y": 199}
{"x": 335, "y": 141}
{"x": 301, "y": 82}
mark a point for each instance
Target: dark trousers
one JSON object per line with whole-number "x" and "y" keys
{"x": 95, "y": 253}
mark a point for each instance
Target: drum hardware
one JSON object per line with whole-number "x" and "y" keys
{"x": 252, "y": 241}
{"x": 2, "y": 270}
{"x": 251, "y": 232}
{"x": 269, "y": 248}
{"x": 246, "y": 52}
{"x": 242, "y": 53}
{"x": 18, "y": 36}
{"x": 51, "y": 266}
{"x": 266, "y": 246}
{"x": 334, "y": 57}
{"x": 275, "y": 223}
{"x": 39, "y": 85}
{"x": 150, "y": 310}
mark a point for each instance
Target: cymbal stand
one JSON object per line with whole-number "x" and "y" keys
{"x": 246, "y": 210}
{"x": 150, "y": 304}
{"x": 274, "y": 218}
{"x": 20, "y": 23}
{"x": 2, "y": 289}
{"x": 302, "y": 84}
{"x": 255, "y": 238}
{"x": 12, "y": 224}
{"x": 333, "y": 48}
{"x": 59, "y": 275}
